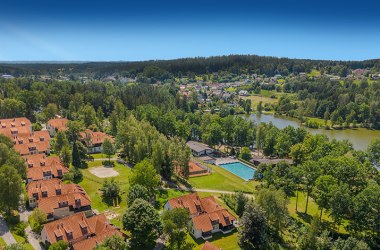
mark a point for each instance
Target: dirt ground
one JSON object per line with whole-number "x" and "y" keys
{"x": 104, "y": 172}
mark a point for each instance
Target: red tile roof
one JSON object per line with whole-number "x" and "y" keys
{"x": 203, "y": 211}
{"x": 51, "y": 187}
{"x": 38, "y": 142}
{"x": 59, "y": 124}
{"x": 49, "y": 204}
{"x": 20, "y": 126}
{"x": 86, "y": 232}
{"x": 203, "y": 222}
{"x": 209, "y": 246}
{"x": 191, "y": 201}
{"x": 95, "y": 138}
{"x": 39, "y": 164}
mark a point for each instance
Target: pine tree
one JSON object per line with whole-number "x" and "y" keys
{"x": 77, "y": 163}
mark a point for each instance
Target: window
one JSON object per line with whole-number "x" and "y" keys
{"x": 70, "y": 236}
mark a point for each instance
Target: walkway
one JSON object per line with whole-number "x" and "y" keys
{"x": 205, "y": 191}
{"x": 33, "y": 239}
{"x": 5, "y": 233}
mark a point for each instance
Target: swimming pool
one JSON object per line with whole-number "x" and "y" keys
{"x": 237, "y": 168}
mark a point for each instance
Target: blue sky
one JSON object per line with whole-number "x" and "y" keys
{"x": 142, "y": 30}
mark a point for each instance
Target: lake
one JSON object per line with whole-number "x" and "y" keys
{"x": 359, "y": 137}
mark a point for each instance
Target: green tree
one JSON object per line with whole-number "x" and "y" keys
{"x": 37, "y": 219}
{"x": 350, "y": 243}
{"x": 245, "y": 154}
{"x": 111, "y": 189}
{"x": 373, "y": 151}
{"x": 10, "y": 188}
{"x": 15, "y": 246}
{"x": 115, "y": 242}
{"x": 241, "y": 201}
{"x": 137, "y": 192}
{"x": 260, "y": 107}
{"x": 254, "y": 230}
{"x": 310, "y": 171}
{"x": 60, "y": 140}
{"x": 309, "y": 239}
{"x": 76, "y": 158}
{"x": 145, "y": 175}
{"x": 59, "y": 245}
{"x": 274, "y": 204}
{"x": 340, "y": 203}
{"x": 50, "y": 111}
{"x": 324, "y": 186}
{"x": 144, "y": 223}
{"x": 365, "y": 215}
{"x": 65, "y": 154}
{"x": 213, "y": 134}
{"x": 108, "y": 148}
{"x": 175, "y": 223}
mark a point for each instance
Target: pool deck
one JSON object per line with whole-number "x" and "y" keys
{"x": 226, "y": 160}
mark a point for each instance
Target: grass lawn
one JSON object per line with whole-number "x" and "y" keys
{"x": 21, "y": 240}
{"x": 92, "y": 184}
{"x": 312, "y": 210}
{"x": 224, "y": 241}
{"x": 100, "y": 155}
{"x": 221, "y": 179}
{"x": 2, "y": 242}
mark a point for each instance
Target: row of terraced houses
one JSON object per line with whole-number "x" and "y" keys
{"x": 67, "y": 206}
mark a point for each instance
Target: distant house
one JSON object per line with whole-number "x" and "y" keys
{"x": 40, "y": 167}
{"x": 55, "y": 125}
{"x": 199, "y": 149}
{"x": 94, "y": 140}
{"x": 80, "y": 231}
{"x": 206, "y": 215}
{"x": 243, "y": 93}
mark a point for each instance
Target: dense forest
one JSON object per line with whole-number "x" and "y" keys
{"x": 164, "y": 69}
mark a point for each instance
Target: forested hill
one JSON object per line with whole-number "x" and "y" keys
{"x": 200, "y": 65}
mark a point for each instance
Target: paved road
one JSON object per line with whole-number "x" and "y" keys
{"x": 33, "y": 239}
{"x": 5, "y": 233}
{"x": 104, "y": 159}
{"x": 206, "y": 191}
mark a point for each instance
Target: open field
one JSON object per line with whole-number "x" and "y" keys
{"x": 221, "y": 179}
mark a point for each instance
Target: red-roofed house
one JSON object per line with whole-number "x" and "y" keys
{"x": 94, "y": 140}
{"x": 80, "y": 231}
{"x": 38, "y": 190}
{"x": 57, "y": 124}
{"x": 210, "y": 246}
{"x": 35, "y": 143}
{"x": 16, "y": 127}
{"x": 206, "y": 215}
{"x": 40, "y": 167}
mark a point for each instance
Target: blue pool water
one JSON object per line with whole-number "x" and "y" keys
{"x": 239, "y": 169}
